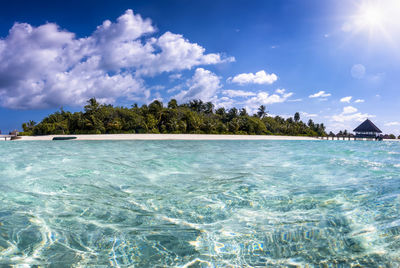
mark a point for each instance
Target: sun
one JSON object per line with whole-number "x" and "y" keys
{"x": 377, "y": 16}
{"x": 371, "y": 16}
{"x": 375, "y": 23}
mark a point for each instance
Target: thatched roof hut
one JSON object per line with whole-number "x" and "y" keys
{"x": 367, "y": 130}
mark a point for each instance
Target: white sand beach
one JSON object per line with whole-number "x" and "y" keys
{"x": 169, "y": 137}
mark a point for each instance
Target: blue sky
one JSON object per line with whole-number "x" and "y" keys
{"x": 336, "y": 62}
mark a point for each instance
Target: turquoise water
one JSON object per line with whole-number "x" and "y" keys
{"x": 200, "y": 203}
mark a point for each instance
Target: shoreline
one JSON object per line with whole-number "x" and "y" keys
{"x": 167, "y": 137}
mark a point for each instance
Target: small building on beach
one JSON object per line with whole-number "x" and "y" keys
{"x": 14, "y": 133}
{"x": 367, "y": 130}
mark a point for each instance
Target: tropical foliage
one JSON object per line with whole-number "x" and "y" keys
{"x": 193, "y": 117}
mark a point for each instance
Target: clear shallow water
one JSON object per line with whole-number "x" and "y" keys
{"x": 200, "y": 203}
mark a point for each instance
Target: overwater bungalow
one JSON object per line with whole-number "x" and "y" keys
{"x": 367, "y": 130}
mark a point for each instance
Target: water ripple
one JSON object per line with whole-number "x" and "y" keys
{"x": 200, "y": 204}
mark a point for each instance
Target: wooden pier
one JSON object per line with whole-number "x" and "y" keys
{"x": 349, "y": 138}
{"x": 342, "y": 138}
{"x": 8, "y": 137}
{"x": 5, "y": 137}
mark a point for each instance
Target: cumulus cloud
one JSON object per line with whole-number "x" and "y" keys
{"x": 350, "y": 113}
{"x": 46, "y": 66}
{"x": 264, "y": 98}
{"x": 203, "y": 85}
{"x": 237, "y": 93}
{"x": 346, "y": 99}
{"x": 320, "y": 94}
{"x": 349, "y": 110}
{"x": 260, "y": 78}
{"x": 225, "y": 102}
{"x": 177, "y": 53}
{"x": 359, "y": 101}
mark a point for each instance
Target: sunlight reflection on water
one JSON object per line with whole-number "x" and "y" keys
{"x": 200, "y": 203}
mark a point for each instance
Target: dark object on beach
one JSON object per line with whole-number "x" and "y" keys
{"x": 367, "y": 130}
{"x": 63, "y": 138}
{"x": 14, "y": 133}
{"x": 15, "y": 138}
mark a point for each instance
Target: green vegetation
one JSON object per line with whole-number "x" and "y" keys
{"x": 389, "y": 136}
{"x": 193, "y": 117}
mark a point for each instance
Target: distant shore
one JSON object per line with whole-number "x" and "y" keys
{"x": 169, "y": 137}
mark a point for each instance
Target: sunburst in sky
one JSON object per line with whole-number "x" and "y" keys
{"x": 378, "y": 18}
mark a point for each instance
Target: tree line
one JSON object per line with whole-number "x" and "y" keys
{"x": 195, "y": 116}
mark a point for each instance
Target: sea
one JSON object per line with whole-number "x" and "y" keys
{"x": 199, "y": 204}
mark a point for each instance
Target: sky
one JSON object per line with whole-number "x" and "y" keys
{"x": 336, "y": 62}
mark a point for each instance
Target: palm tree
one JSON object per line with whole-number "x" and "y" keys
{"x": 310, "y": 124}
{"x": 196, "y": 105}
{"x": 173, "y": 104}
{"x": 262, "y": 111}
{"x": 208, "y": 107}
{"x": 92, "y": 105}
{"x": 156, "y": 109}
{"x": 243, "y": 112}
{"x": 296, "y": 117}
{"x": 232, "y": 113}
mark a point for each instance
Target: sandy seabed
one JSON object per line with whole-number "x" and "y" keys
{"x": 169, "y": 137}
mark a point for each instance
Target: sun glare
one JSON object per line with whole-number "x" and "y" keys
{"x": 371, "y": 16}
{"x": 376, "y": 16}
{"x": 379, "y": 20}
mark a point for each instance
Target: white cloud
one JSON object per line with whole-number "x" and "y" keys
{"x": 390, "y": 124}
{"x": 237, "y": 93}
{"x": 359, "y": 101}
{"x": 48, "y": 67}
{"x": 376, "y": 78}
{"x": 261, "y": 78}
{"x": 359, "y": 117}
{"x": 349, "y": 110}
{"x": 305, "y": 114}
{"x": 358, "y": 71}
{"x": 173, "y": 77}
{"x": 177, "y": 53}
{"x": 224, "y": 102}
{"x": 175, "y": 88}
{"x": 203, "y": 85}
{"x": 320, "y": 94}
{"x": 346, "y": 99}
{"x": 349, "y": 114}
{"x": 157, "y": 87}
{"x": 264, "y": 98}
